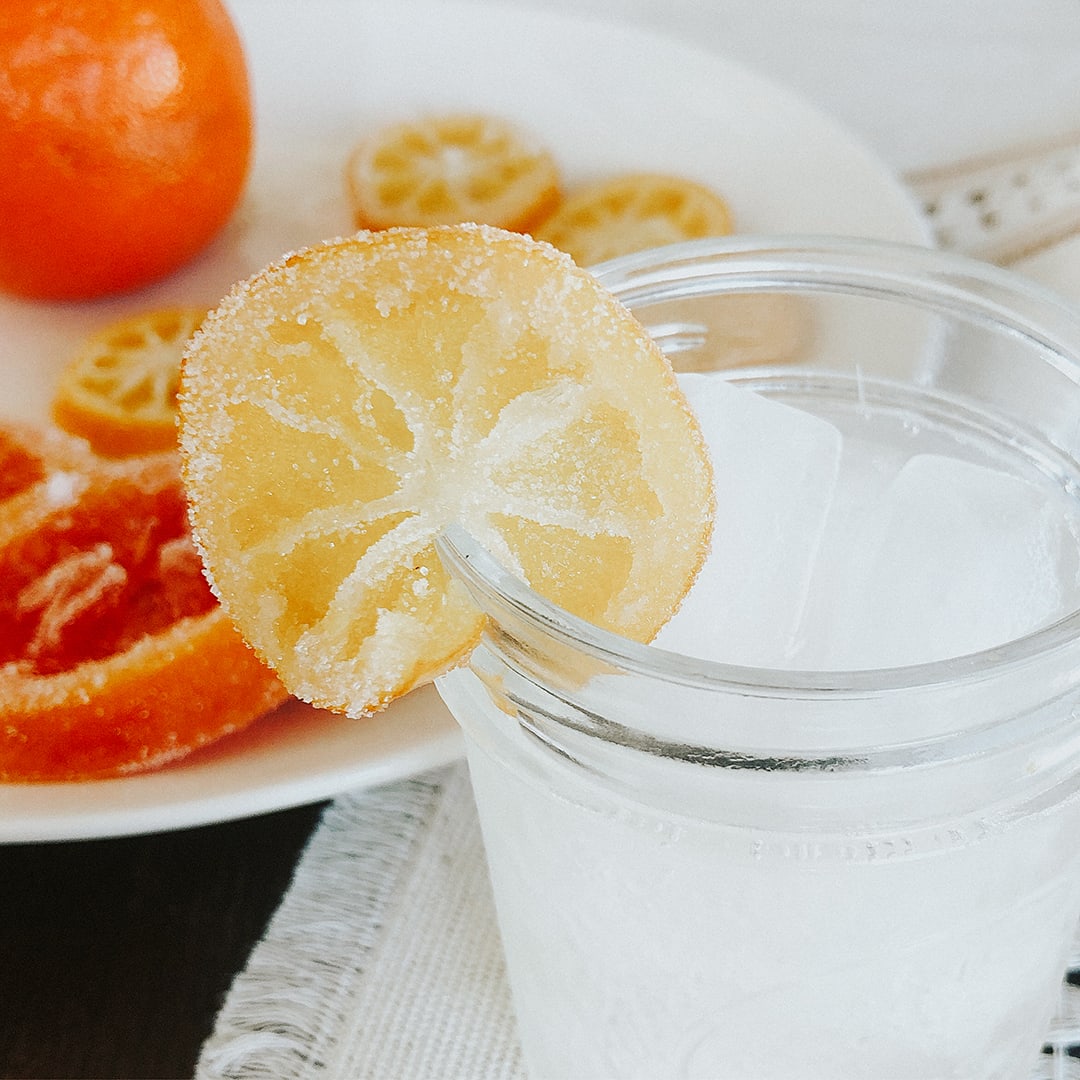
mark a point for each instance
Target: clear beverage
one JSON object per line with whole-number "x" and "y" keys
{"x": 807, "y": 863}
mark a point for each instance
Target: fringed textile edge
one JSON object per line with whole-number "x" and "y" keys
{"x": 281, "y": 1015}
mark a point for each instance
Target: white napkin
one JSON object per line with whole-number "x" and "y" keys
{"x": 383, "y": 960}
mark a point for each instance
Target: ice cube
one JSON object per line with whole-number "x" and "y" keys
{"x": 956, "y": 557}
{"x": 775, "y": 469}
{"x": 867, "y": 467}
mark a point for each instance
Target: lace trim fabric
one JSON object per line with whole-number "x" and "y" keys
{"x": 1005, "y": 208}
{"x": 1060, "y": 1059}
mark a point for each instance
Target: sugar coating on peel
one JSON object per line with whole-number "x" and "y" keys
{"x": 348, "y": 403}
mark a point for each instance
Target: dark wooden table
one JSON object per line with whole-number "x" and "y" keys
{"x": 115, "y": 955}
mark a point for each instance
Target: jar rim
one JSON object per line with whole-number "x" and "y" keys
{"x": 938, "y": 280}
{"x": 469, "y": 562}
{"x": 934, "y": 279}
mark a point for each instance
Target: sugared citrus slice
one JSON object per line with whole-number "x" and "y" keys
{"x": 349, "y": 402}
{"x": 631, "y": 213}
{"x": 114, "y": 654}
{"x": 119, "y": 391}
{"x": 440, "y": 170}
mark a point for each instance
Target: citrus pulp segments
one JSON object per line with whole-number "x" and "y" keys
{"x": 28, "y": 455}
{"x": 342, "y": 407}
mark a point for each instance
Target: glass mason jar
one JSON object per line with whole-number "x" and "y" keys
{"x": 710, "y": 870}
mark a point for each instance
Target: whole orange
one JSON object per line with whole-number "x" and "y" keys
{"x": 125, "y": 138}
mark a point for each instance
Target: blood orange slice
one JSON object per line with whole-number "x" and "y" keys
{"x": 114, "y": 654}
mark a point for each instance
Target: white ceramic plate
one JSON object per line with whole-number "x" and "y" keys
{"x": 604, "y": 98}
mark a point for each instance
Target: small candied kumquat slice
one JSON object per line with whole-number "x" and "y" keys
{"x": 345, "y": 405}
{"x": 441, "y": 170}
{"x": 119, "y": 392}
{"x": 631, "y": 213}
{"x": 114, "y": 655}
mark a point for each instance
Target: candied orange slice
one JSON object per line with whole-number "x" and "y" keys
{"x": 119, "y": 391}
{"x": 114, "y": 655}
{"x": 345, "y": 405}
{"x": 441, "y": 170}
{"x": 631, "y": 213}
